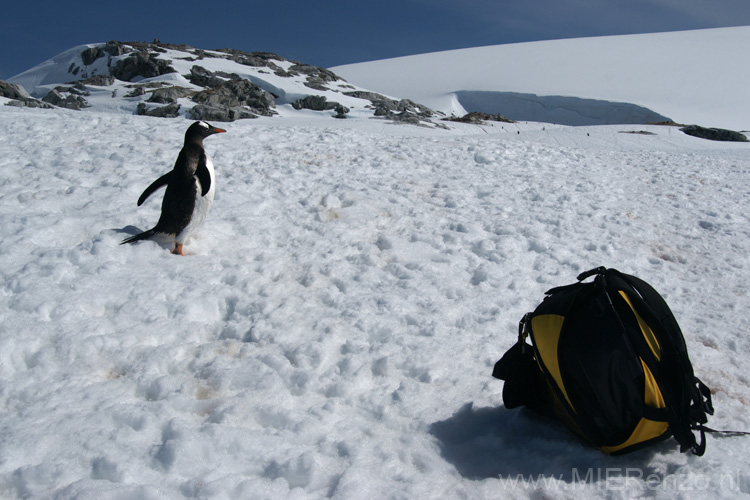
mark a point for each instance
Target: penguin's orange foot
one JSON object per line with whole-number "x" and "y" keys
{"x": 178, "y": 249}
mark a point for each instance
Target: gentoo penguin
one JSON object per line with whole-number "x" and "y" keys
{"x": 190, "y": 190}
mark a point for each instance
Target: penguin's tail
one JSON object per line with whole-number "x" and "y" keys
{"x": 138, "y": 237}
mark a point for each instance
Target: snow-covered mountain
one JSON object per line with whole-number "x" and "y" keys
{"x": 692, "y": 77}
{"x": 165, "y": 80}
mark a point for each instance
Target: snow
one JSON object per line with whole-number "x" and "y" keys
{"x": 692, "y": 77}
{"x": 332, "y": 329}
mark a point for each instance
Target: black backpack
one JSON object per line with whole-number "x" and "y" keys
{"x": 608, "y": 358}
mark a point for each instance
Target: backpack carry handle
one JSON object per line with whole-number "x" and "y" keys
{"x": 592, "y": 272}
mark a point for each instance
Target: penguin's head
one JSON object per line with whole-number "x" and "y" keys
{"x": 200, "y": 130}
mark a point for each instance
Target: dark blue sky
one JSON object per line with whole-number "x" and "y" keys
{"x": 329, "y": 33}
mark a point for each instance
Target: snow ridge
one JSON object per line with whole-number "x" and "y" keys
{"x": 693, "y": 77}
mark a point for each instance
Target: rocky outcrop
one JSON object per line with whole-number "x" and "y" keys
{"x": 314, "y": 103}
{"x": 478, "y": 118}
{"x": 255, "y": 59}
{"x": 142, "y": 64}
{"x": 236, "y": 94}
{"x": 72, "y": 100}
{"x": 171, "y": 110}
{"x": 170, "y": 94}
{"x": 29, "y": 102}
{"x": 203, "y": 78}
{"x": 19, "y": 97}
{"x": 98, "y": 80}
{"x": 321, "y": 103}
{"x": 243, "y": 85}
{"x": 91, "y": 54}
{"x": 714, "y": 134}
{"x": 12, "y": 91}
{"x": 404, "y": 110}
{"x": 220, "y": 113}
{"x": 317, "y": 78}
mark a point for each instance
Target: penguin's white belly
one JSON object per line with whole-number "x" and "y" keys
{"x": 202, "y": 205}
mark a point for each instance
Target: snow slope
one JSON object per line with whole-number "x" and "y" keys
{"x": 332, "y": 331}
{"x": 691, "y": 76}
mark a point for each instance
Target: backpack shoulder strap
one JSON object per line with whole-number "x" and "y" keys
{"x": 689, "y": 399}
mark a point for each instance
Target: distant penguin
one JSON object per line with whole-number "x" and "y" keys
{"x": 190, "y": 190}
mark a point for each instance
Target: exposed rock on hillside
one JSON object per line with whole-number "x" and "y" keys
{"x": 220, "y": 113}
{"x": 403, "y": 110}
{"x": 238, "y": 93}
{"x": 98, "y": 80}
{"x": 203, "y": 78}
{"x": 714, "y": 134}
{"x": 159, "y": 79}
{"x": 315, "y": 103}
{"x": 19, "y": 96}
{"x": 170, "y": 94}
{"x": 141, "y": 64}
{"x": 480, "y": 118}
{"x": 320, "y": 103}
{"x": 12, "y": 91}
{"x": 68, "y": 97}
{"x": 171, "y": 110}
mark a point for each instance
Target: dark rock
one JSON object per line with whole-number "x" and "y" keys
{"x": 714, "y": 134}
{"x": 204, "y": 78}
{"x": 405, "y": 110}
{"x": 255, "y": 59}
{"x": 479, "y": 118}
{"x": 202, "y": 54}
{"x": 315, "y": 103}
{"x": 91, "y": 54}
{"x": 249, "y": 60}
{"x": 341, "y": 111}
{"x": 220, "y": 113}
{"x": 12, "y": 91}
{"x": 237, "y": 93}
{"x": 137, "y": 91}
{"x": 78, "y": 89}
{"x": 29, "y": 102}
{"x": 637, "y": 132}
{"x": 99, "y": 80}
{"x": 140, "y": 64}
{"x": 320, "y": 103}
{"x": 321, "y": 73}
{"x": 169, "y": 94}
{"x": 317, "y": 78}
{"x": 171, "y": 110}
{"x": 69, "y": 102}
{"x": 115, "y": 49}
{"x": 19, "y": 96}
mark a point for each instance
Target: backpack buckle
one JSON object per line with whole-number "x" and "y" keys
{"x": 523, "y": 330}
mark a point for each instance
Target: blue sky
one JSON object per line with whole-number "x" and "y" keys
{"x": 329, "y": 33}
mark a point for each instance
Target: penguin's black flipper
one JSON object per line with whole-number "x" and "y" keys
{"x": 203, "y": 176}
{"x": 140, "y": 236}
{"x": 161, "y": 181}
